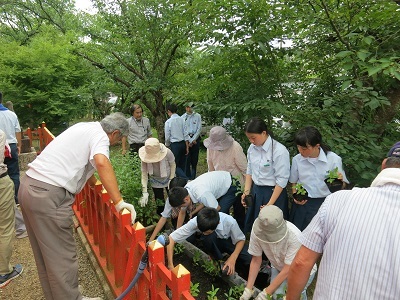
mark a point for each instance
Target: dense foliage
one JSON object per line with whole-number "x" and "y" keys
{"x": 331, "y": 64}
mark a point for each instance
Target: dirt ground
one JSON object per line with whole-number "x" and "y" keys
{"x": 27, "y": 286}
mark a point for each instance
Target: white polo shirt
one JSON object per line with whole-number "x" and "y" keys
{"x": 68, "y": 161}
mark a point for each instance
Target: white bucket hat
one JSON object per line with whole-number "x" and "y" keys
{"x": 219, "y": 139}
{"x": 153, "y": 151}
{"x": 270, "y": 225}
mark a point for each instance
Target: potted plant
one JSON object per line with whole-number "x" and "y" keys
{"x": 301, "y": 193}
{"x": 332, "y": 180}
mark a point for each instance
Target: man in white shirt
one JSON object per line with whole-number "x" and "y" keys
{"x": 48, "y": 191}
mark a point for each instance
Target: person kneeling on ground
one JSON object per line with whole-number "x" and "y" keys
{"x": 215, "y": 189}
{"x": 220, "y": 234}
{"x": 279, "y": 240}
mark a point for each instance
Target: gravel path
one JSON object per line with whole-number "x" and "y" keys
{"x": 27, "y": 286}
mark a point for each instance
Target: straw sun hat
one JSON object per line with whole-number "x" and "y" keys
{"x": 153, "y": 151}
{"x": 219, "y": 139}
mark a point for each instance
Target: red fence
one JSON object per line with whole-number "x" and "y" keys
{"x": 41, "y": 134}
{"x": 118, "y": 246}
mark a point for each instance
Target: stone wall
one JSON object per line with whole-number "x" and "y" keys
{"x": 26, "y": 158}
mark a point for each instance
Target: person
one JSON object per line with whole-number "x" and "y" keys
{"x": 169, "y": 211}
{"x": 159, "y": 162}
{"x": 268, "y": 168}
{"x": 278, "y": 240}
{"x": 193, "y": 129}
{"x": 356, "y": 232}
{"x": 226, "y": 154}
{"x": 215, "y": 189}
{"x": 10, "y": 125}
{"x": 48, "y": 191}
{"x": 310, "y": 168}
{"x": 139, "y": 130}
{"x": 177, "y": 139}
{"x": 7, "y": 220}
{"x": 220, "y": 233}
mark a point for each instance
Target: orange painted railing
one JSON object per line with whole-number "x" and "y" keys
{"x": 42, "y": 134}
{"x": 118, "y": 246}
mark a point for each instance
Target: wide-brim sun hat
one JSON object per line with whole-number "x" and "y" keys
{"x": 153, "y": 151}
{"x": 219, "y": 139}
{"x": 270, "y": 226}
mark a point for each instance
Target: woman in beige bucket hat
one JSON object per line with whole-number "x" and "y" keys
{"x": 159, "y": 162}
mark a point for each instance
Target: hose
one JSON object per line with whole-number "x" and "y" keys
{"x": 163, "y": 240}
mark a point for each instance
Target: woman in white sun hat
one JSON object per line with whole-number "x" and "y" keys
{"x": 158, "y": 168}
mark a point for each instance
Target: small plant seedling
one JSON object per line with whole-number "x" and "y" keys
{"x": 196, "y": 258}
{"x": 210, "y": 267}
{"x": 194, "y": 289}
{"x": 178, "y": 248}
{"x": 234, "y": 292}
{"x": 300, "y": 190}
{"x": 212, "y": 294}
{"x": 332, "y": 175}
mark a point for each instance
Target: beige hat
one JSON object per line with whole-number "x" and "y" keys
{"x": 270, "y": 225}
{"x": 153, "y": 151}
{"x": 219, "y": 139}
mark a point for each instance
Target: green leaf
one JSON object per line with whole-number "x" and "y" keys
{"x": 343, "y": 54}
{"x": 363, "y": 55}
{"x": 373, "y": 70}
{"x": 345, "y": 85}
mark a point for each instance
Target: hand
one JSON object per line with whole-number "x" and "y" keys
{"x": 122, "y": 204}
{"x": 300, "y": 202}
{"x": 263, "y": 295}
{"x": 247, "y": 294}
{"x": 144, "y": 199}
{"x": 229, "y": 265}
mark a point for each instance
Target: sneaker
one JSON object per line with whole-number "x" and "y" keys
{"x": 22, "y": 235}
{"x": 5, "y": 279}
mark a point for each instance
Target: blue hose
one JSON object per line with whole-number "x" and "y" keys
{"x": 163, "y": 240}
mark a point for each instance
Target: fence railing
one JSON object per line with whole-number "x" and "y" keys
{"x": 41, "y": 134}
{"x": 118, "y": 246}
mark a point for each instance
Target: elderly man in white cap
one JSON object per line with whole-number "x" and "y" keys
{"x": 159, "y": 162}
{"x": 279, "y": 241}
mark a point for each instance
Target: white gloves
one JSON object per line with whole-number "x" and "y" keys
{"x": 263, "y": 296}
{"x": 144, "y": 199}
{"x": 247, "y": 293}
{"x": 122, "y": 204}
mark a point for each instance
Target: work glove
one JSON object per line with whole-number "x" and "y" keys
{"x": 263, "y": 295}
{"x": 144, "y": 199}
{"x": 122, "y": 204}
{"x": 247, "y": 294}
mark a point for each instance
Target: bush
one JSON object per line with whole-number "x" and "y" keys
{"x": 128, "y": 172}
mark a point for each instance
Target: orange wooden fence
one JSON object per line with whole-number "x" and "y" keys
{"x": 118, "y": 246}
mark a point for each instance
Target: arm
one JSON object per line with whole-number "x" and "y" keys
{"x": 199, "y": 206}
{"x": 170, "y": 253}
{"x": 299, "y": 272}
{"x": 277, "y": 191}
{"x": 253, "y": 271}
{"x": 210, "y": 163}
{"x": 159, "y": 226}
{"x": 123, "y": 143}
{"x": 281, "y": 277}
{"x": 18, "y": 135}
{"x": 231, "y": 261}
{"x": 181, "y": 218}
{"x": 247, "y": 187}
{"x": 107, "y": 177}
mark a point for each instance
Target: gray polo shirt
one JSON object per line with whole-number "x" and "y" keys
{"x": 139, "y": 131}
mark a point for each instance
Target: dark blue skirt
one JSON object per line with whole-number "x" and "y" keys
{"x": 261, "y": 195}
{"x": 301, "y": 215}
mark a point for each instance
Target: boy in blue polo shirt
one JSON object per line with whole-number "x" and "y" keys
{"x": 220, "y": 234}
